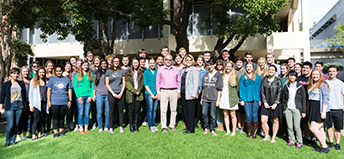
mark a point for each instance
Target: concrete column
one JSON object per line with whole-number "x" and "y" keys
{"x": 305, "y": 27}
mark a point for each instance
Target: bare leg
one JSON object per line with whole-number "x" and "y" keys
{"x": 226, "y": 118}
{"x": 234, "y": 121}
{"x": 265, "y": 127}
{"x": 337, "y": 135}
{"x": 318, "y": 131}
{"x": 330, "y": 134}
{"x": 274, "y": 129}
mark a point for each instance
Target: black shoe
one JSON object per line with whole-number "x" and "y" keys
{"x": 314, "y": 143}
{"x": 318, "y": 149}
{"x": 62, "y": 134}
{"x": 188, "y": 132}
{"x": 136, "y": 129}
{"x": 7, "y": 144}
{"x": 338, "y": 147}
{"x": 56, "y": 135}
{"x": 132, "y": 129}
{"x": 325, "y": 150}
{"x": 13, "y": 143}
{"x": 331, "y": 145}
{"x": 67, "y": 130}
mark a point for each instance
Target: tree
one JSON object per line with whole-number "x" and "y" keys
{"x": 180, "y": 13}
{"x": 251, "y": 17}
{"x": 85, "y": 13}
{"x": 338, "y": 38}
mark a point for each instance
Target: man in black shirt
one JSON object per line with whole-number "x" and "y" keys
{"x": 303, "y": 80}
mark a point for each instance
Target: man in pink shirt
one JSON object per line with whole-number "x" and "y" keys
{"x": 168, "y": 90}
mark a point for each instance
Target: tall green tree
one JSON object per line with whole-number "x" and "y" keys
{"x": 239, "y": 19}
{"x": 338, "y": 38}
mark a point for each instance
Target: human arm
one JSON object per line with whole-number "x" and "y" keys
{"x": 49, "y": 97}
{"x": 69, "y": 98}
{"x": 123, "y": 88}
{"x": 241, "y": 90}
{"x": 107, "y": 84}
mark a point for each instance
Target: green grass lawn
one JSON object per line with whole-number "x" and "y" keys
{"x": 146, "y": 144}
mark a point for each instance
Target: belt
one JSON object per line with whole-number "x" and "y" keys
{"x": 168, "y": 88}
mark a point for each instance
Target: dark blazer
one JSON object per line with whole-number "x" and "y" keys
{"x": 5, "y": 97}
{"x": 300, "y": 98}
{"x": 275, "y": 90}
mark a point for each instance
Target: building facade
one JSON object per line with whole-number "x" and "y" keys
{"x": 289, "y": 41}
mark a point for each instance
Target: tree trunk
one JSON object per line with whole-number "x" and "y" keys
{"x": 220, "y": 45}
{"x": 181, "y": 13}
{"x": 113, "y": 34}
{"x": 106, "y": 41}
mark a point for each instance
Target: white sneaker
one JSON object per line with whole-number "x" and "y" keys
{"x": 18, "y": 139}
{"x": 111, "y": 131}
{"x": 106, "y": 129}
{"x": 100, "y": 130}
{"x": 152, "y": 129}
{"x": 94, "y": 127}
{"x": 76, "y": 129}
{"x": 144, "y": 123}
{"x": 155, "y": 128}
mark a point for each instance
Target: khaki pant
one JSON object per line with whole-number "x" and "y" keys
{"x": 293, "y": 118}
{"x": 166, "y": 97}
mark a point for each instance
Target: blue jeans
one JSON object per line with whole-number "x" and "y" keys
{"x": 13, "y": 116}
{"x": 102, "y": 99}
{"x": 212, "y": 107}
{"x": 152, "y": 104}
{"x": 251, "y": 110}
{"x": 84, "y": 112}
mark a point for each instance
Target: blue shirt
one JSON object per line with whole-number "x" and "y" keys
{"x": 201, "y": 71}
{"x": 149, "y": 79}
{"x": 59, "y": 90}
{"x": 249, "y": 90}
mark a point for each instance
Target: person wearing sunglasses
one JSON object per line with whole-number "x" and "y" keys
{"x": 35, "y": 66}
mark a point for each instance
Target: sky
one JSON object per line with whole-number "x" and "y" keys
{"x": 318, "y": 8}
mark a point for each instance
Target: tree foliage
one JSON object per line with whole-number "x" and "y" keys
{"x": 239, "y": 19}
{"x": 338, "y": 38}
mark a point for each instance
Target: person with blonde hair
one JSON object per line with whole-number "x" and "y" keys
{"x": 23, "y": 123}
{"x": 249, "y": 97}
{"x": 229, "y": 96}
{"x": 182, "y": 52}
{"x": 50, "y": 72}
{"x": 262, "y": 69}
{"x": 189, "y": 77}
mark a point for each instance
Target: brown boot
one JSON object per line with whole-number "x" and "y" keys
{"x": 249, "y": 129}
{"x": 219, "y": 127}
{"x": 254, "y": 129}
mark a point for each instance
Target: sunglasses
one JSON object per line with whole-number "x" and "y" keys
{"x": 34, "y": 66}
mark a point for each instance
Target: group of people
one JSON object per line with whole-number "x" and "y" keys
{"x": 256, "y": 96}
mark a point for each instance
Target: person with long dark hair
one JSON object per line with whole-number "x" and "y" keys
{"x": 100, "y": 95}
{"x": 12, "y": 104}
{"x": 115, "y": 83}
{"x": 59, "y": 97}
{"x": 38, "y": 104}
{"x": 83, "y": 88}
{"x": 134, "y": 93}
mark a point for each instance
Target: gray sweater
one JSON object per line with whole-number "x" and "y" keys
{"x": 211, "y": 87}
